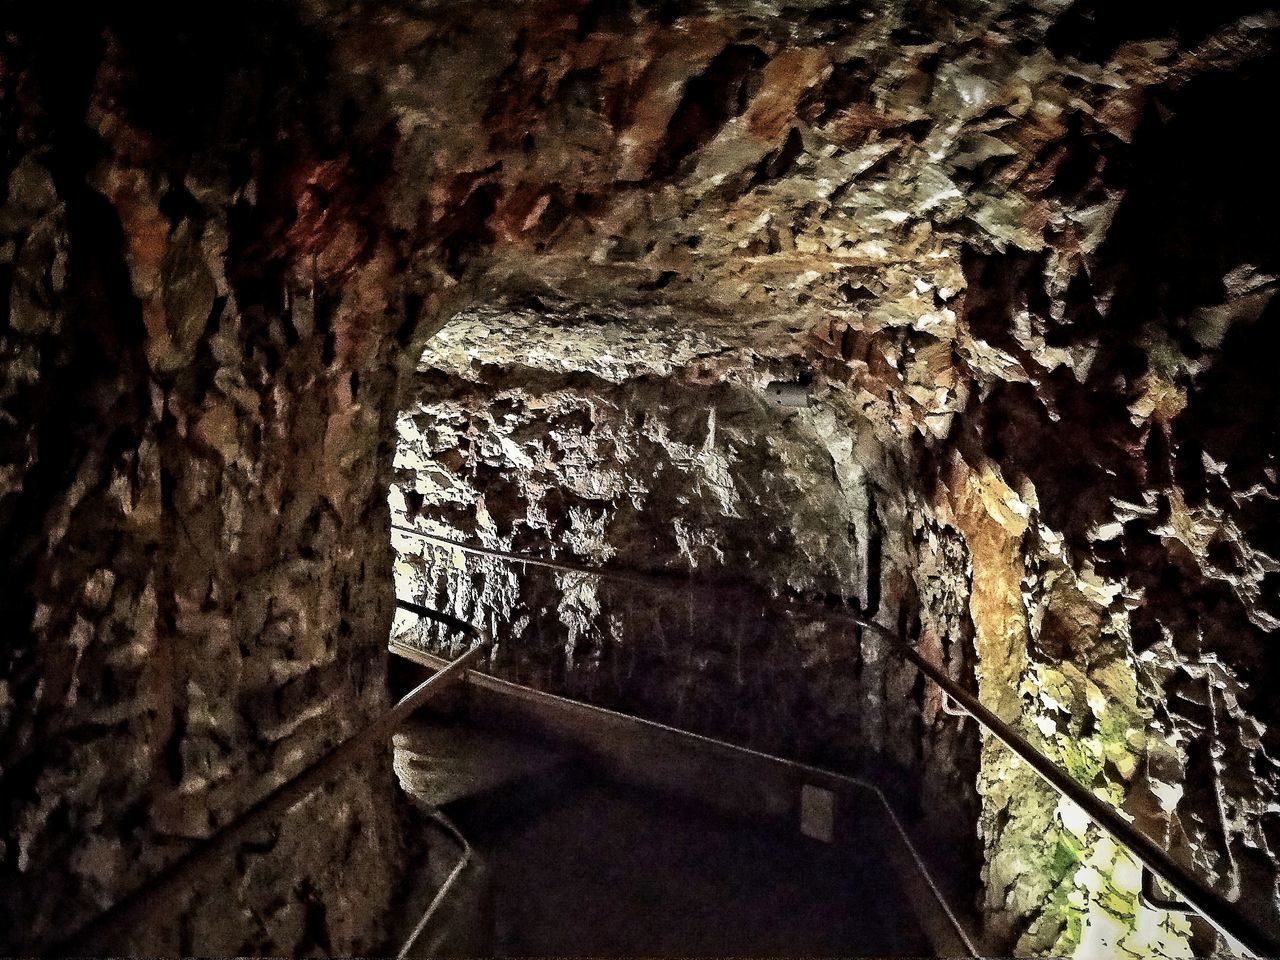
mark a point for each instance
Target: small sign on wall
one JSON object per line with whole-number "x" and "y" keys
{"x": 817, "y": 813}
{"x": 788, "y": 394}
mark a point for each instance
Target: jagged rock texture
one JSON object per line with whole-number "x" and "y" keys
{"x": 987, "y": 230}
{"x": 196, "y": 577}
{"x": 659, "y": 450}
{"x": 1024, "y": 248}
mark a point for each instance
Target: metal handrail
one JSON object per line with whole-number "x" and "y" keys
{"x": 820, "y": 774}
{"x": 439, "y": 616}
{"x": 665, "y": 580}
{"x": 134, "y": 906}
{"x": 464, "y": 858}
{"x": 1222, "y": 914}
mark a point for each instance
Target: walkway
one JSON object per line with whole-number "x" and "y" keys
{"x": 575, "y": 865}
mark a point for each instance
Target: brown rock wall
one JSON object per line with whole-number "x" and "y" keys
{"x": 196, "y": 567}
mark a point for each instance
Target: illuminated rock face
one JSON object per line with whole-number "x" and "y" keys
{"x": 1002, "y": 280}
{"x": 672, "y": 458}
{"x": 1021, "y": 248}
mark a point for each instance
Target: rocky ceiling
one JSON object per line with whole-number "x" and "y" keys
{"x": 1025, "y": 248}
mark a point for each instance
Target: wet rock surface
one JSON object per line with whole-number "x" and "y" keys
{"x": 1023, "y": 251}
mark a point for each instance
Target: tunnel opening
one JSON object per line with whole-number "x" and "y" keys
{"x": 590, "y": 438}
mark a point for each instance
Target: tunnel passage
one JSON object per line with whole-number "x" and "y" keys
{"x": 596, "y": 439}
{"x": 1018, "y": 245}
{"x": 641, "y": 840}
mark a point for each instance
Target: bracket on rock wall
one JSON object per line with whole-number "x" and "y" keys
{"x": 1150, "y": 895}
{"x": 951, "y": 710}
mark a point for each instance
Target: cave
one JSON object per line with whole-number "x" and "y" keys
{"x": 760, "y": 478}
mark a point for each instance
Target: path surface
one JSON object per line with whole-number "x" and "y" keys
{"x": 580, "y": 867}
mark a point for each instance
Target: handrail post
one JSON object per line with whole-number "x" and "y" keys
{"x": 464, "y": 858}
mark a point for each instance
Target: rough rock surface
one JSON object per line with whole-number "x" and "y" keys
{"x": 681, "y": 471}
{"x": 1023, "y": 247}
{"x": 196, "y": 575}
{"x": 659, "y": 450}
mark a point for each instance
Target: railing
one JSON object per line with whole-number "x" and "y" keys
{"x": 464, "y": 859}
{"x": 1222, "y": 914}
{"x": 947, "y": 932}
{"x": 461, "y": 626}
{"x": 135, "y": 906}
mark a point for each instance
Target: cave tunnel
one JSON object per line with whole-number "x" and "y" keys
{"x": 620, "y": 478}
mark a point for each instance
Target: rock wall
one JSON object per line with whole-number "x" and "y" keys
{"x": 1121, "y": 494}
{"x": 986, "y": 229}
{"x": 196, "y": 583}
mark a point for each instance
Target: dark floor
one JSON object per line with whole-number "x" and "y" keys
{"x": 583, "y": 867}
